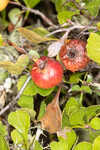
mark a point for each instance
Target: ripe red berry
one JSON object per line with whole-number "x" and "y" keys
{"x": 47, "y": 72}
{"x": 73, "y": 55}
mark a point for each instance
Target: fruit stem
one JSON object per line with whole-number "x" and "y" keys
{"x": 56, "y": 98}
{"x": 42, "y": 64}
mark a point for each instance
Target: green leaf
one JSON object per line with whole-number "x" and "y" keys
{"x": 20, "y": 120}
{"x": 37, "y": 146}
{"x": 33, "y": 36}
{"x": 77, "y": 117}
{"x": 93, "y": 47}
{"x": 96, "y": 144}
{"x": 86, "y": 89}
{"x": 41, "y": 31}
{"x": 65, "y": 120}
{"x": 3, "y": 143}
{"x": 71, "y": 137}
{"x": 93, "y": 7}
{"x": 26, "y": 101}
{"x": 91, "y": 111}
{"x": 64, "y": 144}
{"x": 75, "y": 77}
{"x": 89, "y": 78}
{"x": 95, "y": 123}
{"x": 31, "y": 3}
{"x": 42, "y": 110}
{"x": 60, "y": 5}
{"x": 98, "y": 26}
{"x": 30, "y": 89}
{"x": 93, "y": 134}
{"x": 3, "y": 130}
{"x": 59, "y": 145}
{"x": 76, "y": 88}
{"x": 78, "y": 1}
{"x": 16, "y": 68}
{"x": 14, "y": 16}
{"x": 84, "y": 146}
{"x": 3, "y": 75}
{"x": 64, "y": 15}
{"x": 71, "y": 106}
{"x": 31, "y": 112}
{"x": 45, "y": 92}
{"x": 17, "y": 137}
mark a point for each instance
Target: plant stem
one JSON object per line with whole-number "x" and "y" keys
{"x": 81, "y": 98}
{"x": 12, "y": 103}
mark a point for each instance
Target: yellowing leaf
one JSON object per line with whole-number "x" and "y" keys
{"x": 17, "y": 137}
{"x": 3, "y": 143}
{"x": 1, "y": 40}
{"x": 95, "y": 123}
{"x": 33, "y": 36}
{"x": 96, "y": 144}
{"x": 3, "y": 4}
{"x": 93, "y": 47}
{"x": 83, "y": 146}
{"x": 15, "y": 68}
{"x": 37, "y": 146}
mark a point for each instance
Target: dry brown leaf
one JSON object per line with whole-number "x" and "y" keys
{"x": 2, "y": 97}
{"x": 54, "y": 48}
{"x": 52, "y": 119}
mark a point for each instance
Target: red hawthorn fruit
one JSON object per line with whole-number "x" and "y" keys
{"x": 73, "y": 55}
{"x": 47, "y": 72}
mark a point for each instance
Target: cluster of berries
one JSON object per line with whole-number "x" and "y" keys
{"x": 47, "y": 72}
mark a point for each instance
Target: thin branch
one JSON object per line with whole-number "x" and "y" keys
{"x": 95, "y": 84}
{"x": 12, "y": 103}
{"x": 38, "y": 133}
{"x": 35, "y": 11}
{"x": 65, "y": 36}
{"x": 21, "y": 50}
{"x": 68, "y": 30}
{"x": 56, "y": 31}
